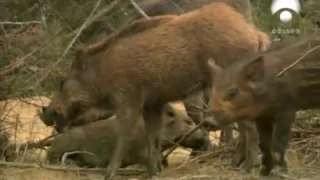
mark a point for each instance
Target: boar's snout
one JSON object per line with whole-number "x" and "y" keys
{"x": 62, "y": 129}
{"x": 44, "y": 109}
{"x": 45, "y": 117}
{"x": 196, "y": 140}
{"x": 51, "y": 117}
{"x": 215, "y": 120}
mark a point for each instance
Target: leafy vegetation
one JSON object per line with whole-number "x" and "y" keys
{"x": 30, "y": 51}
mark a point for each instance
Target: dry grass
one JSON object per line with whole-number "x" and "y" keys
{"x": 24, "y": 125}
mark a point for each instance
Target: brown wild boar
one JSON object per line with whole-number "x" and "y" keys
{"x": 174, "y": 110}
{"x": 95, "y": 114}
{"x": 140, "y": 73}
{"x": 252, "y": 89}
{"x": 93, "y": 139}
{"x": 161, "y": 7}
{"x": 195, "y": 103}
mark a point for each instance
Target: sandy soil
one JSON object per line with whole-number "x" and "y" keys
{"x": 24, "y": 125}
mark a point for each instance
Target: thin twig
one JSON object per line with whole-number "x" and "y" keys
{"x": 66, "y": 154}
{"x": 136, "y": 6}
{"x": 97, "y": 16}
{"x": 200, "y": 157}
{"x": 83, "y": 26}
{"x": 38, "y": 144}
{"x": 16, "y": 64}
{"x": 30, "y": 103}
{"x": 19, "y": 23}
{"x": 185, "y": 136}
{"x": 297, "y": 61}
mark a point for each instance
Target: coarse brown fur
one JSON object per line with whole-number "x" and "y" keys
{"x": 92, "y": 139}
{"x": 253, "y": 89}
{"x": 161, "y": 7}
{"x": 146, "y": 70}
{"x": 196, "y": 103}
{"x": 135, "y": 28}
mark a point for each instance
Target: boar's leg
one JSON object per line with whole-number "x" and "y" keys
{"x": 154, "y": 125}
{"x": 240, "y": 152}
{"x": 128, "y": 111}
{"x": 246, "y": 150}
{"x": 284, "y": 120}
{"x": 265, "y": 129}
{"x": 226, "y": 135}
{"x": 195, "y": 105}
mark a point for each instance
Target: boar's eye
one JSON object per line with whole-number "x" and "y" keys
{"x": 231, "y": 94}
{"x": 170, "y": 114}
{"x": 61, "y": 84}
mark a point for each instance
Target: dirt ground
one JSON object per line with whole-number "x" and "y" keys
{"x": 24, "y": 125}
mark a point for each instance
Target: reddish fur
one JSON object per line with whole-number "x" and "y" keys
{"x": 269, "y": 100}
{"x": 162, "y": 64}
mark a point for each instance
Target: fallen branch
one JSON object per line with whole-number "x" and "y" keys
{"x": 35, "y": 145}
{"x": 297, "y": 61}
{"x": 121, "y": 171}
{"x": 19, "y": 23}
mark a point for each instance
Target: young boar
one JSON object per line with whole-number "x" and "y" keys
{"x": 98, "y": 145}
{"x": 268, "y": 90}
{"x": 140, "y": 73}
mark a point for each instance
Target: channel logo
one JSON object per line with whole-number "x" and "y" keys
{"x": 287, "y": 8}
{"x": 285, "y": 16}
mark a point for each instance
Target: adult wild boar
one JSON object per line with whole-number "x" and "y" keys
{"x": 197, "y": 102}
{"x": 268, "y": 89}
{"x": 139, "y": 73}
{"x": 98, "y": 145}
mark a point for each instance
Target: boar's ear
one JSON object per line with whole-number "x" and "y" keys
{"x": 254, "y": 71}
{"x": 214, "y": 68}
{"x": 78, "y": 63}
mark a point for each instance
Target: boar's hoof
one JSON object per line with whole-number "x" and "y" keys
{"x": 155, "y": 164}
{"x": 153, "y": 178}
{"x": 264, "y": 171}
{"x": 110, "y": 174}
{"x": 165, "y": 162}
{"x": 248, "y": 165}
{"x": 238, "y": 158}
